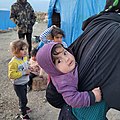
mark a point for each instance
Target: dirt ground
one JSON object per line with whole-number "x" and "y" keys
{"x": 8, "y": 100}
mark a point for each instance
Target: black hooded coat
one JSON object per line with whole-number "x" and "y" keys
{"x": 97, "y": 52}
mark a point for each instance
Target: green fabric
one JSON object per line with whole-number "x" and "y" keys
{"x": 94, "y": 112}
{"x": 115, "y": 3}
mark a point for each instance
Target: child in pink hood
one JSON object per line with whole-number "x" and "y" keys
{"x": 60, "y": 64}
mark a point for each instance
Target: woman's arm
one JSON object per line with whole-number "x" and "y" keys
{"x": 53, "y": 97}
{"x": 45, "y": 34}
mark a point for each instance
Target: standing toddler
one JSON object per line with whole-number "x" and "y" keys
{"x": 18, "y": 73}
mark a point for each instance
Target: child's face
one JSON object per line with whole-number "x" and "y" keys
{"x": 58, "y": 38}
{"x": 23, "y": 52}
{"x": 33, "y": 58}
{"x": 65, "y": 61}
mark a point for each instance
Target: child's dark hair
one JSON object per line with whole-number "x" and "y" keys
{"x": 55, "y": 31}
{"x": 54, "y": 51}
{"x": 34, "y": 52}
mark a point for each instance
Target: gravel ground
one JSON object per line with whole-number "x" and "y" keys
{"x": 8, "y": 99}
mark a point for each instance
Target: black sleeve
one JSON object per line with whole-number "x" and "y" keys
{"x": 53, "y": 97}
{"x": 92, "y": 97}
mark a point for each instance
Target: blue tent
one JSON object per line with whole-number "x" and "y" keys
{"x": 71, "y": 14}
{"x": 5, "y": 21}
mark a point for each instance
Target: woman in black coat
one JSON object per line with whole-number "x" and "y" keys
{"x": 97, "y": 52}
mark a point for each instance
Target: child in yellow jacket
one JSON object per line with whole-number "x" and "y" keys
{"x": 18, "y": 73}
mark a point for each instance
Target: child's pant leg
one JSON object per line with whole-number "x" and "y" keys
{"x": 21, "y": 91}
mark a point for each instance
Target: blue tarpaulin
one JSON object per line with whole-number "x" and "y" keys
{"x": 5, "y": 22}
{"x": 72, "y": 14}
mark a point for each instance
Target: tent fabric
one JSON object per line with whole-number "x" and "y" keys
{"x": 5, "y": 22}
{"x": 72, "y": 14}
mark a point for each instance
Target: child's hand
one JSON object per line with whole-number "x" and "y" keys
{"x": 27, "y": 72}
{"x": 97, "y": 93}
{"x": 53, "y": 26}
{"x": 31, "y": 69}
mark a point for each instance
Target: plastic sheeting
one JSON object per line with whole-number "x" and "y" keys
{"x": 73, "y": 13}
{"x": 5, "y": 22}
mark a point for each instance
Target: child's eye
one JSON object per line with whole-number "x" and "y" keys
{"x": 65, "y": 52}
{"x": 59, "y": 61}
{"x": 23, "y": 49}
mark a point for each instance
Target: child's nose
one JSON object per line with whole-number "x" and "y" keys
{"x": 67, "y": 59}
